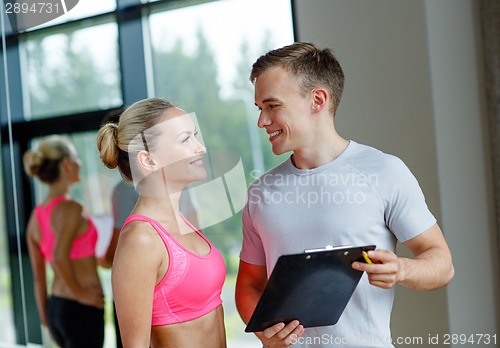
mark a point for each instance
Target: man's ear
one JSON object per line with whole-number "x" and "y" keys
{"x": 319, "y": 99}
{"x": 146, "y": 161}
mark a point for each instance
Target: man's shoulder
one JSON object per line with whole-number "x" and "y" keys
{"x": 367, "y": 152}
{"x": 368, "y": 159}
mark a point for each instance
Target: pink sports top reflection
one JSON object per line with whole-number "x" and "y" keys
{"x": 83, "y": 246}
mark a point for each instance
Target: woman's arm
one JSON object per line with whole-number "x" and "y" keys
{"x": 139, "y": 256}
{"x": 66, "y": 221}
{"x": 106, "y": 260}
{"x": 38, "y": 266}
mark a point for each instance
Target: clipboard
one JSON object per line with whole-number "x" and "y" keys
{"x": 313, "y": 287}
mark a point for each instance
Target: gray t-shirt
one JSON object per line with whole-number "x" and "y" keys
{"x": 362, "y": 197}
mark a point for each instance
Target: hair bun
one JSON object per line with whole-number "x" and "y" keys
{"x": 107, "y": 144}
{"x": 32, "y": 161}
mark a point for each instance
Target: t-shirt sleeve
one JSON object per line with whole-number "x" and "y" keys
{"x": 406, "y": 213}
{"x": 252, "y": 250}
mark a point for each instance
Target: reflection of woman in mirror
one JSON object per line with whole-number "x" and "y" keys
{"x": 62, "y": 233}
{"x": 167, "y": 277}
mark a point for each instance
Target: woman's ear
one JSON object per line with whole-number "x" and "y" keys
{"x": 146, "y": 161}
{"x": 65, "y": 164}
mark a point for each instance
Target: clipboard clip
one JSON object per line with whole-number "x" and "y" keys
{"x": 328, "y": 247}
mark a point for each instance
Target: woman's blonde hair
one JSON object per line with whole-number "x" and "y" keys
{"x": 43, "y": 161}
{"x": 115, "y": 141}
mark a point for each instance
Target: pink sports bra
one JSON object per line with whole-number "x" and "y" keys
{"x": 191, "y": 286}
{"x": 83, "y": 246}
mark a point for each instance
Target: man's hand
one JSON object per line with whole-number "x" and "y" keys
{"x": 431, "y": 267}
{"x": 384, "y": 270}
{"x": 281, "y": 335}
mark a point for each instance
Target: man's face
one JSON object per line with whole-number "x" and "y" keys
{"x": 284, "y": 111}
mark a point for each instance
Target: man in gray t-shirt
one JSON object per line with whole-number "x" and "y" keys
{"x": 331, "y": 191}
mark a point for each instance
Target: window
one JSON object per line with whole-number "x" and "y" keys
{"x": 203, "y": 65}
{"x": 71, "y": 69}
{"x": 6, "y": 319}
{"x": 67, "y": 74}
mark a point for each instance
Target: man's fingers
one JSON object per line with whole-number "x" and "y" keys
{"x": 280, "y": 330}
{"x": 287, "y": 330}
{"x": 381, "y": 256}
{"x": 271, "y": 331}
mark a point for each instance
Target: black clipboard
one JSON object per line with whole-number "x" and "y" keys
{"x": 313, "y": 287}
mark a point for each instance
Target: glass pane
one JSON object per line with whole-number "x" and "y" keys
{"x": 96, "y": 181}
{"x": 94, "y": 192}
{"x": 241, "y": 33}
{"x": 94, "y": 188}
{"x": 7, "y": 333}
{"x": 71, "y": 70}
{"x": 83, "y": 9}
{"x": 202, "y": 56}
{"x": 86, "y": 8}
{"x": 204, "y": 65}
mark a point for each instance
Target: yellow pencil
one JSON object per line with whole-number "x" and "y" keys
{"x": 367, "y": 259}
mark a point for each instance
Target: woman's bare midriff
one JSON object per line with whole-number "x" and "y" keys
{"x": 85, "y": 270}
{"x": 207, "y": 331}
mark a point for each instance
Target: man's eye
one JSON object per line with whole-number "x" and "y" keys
{"x": 272, "y": 106}
{"x": 185, "y": 140}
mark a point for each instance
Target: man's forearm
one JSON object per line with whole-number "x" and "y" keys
{"x": 246, "y": 301}
{"x": 428, "y": 271}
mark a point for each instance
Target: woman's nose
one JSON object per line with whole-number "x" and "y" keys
{"x": 200, "y": 148}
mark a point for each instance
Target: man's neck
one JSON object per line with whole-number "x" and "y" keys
{"x": 324, "y": 150}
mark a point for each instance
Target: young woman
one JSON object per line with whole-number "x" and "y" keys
{"x": 167, "y": 277}
{"x": 61, "y": 232}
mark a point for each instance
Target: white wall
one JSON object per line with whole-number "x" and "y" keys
{"x": 413, "y": 89}
{"x": 462, "y": 148}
